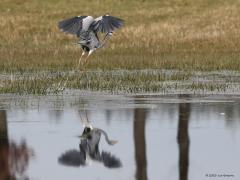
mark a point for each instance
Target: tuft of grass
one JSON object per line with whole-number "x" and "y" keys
{"x": 208, "y": 87}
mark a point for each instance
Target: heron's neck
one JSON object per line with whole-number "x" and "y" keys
{"x": 106, "y": 136}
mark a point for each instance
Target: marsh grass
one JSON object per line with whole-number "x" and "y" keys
{"x": 112, "y": 81}
{"x": 142, "y": 81}
{"x": 168, "y": 34}
{"x": 184, "y": 35}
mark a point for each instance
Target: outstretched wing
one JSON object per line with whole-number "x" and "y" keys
{"x": 106, "y": 24}
{"x": 110, "y": 160}
{"x": 76, "y": 24}
{"x": 71, "y": 158}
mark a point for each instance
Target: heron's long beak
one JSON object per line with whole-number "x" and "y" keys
{"x": 83, "y": 136}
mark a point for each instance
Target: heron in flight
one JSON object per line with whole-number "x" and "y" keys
{"x": 86, "y": 28}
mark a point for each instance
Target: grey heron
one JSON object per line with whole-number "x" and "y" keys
{"x": 92, "y": 134}
{"x": 89, "y": 150}
{"x": 86, "y": 28}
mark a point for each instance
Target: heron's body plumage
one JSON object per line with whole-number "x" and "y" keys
{"x": 86, "y": 22}
{"x": 89, "y": 41}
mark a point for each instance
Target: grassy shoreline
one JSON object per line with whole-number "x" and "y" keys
{"x": 181, "y": 35}
{"x": 177, "y": 34}
{"x": 122, "y": 81}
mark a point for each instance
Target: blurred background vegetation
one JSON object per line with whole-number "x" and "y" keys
{"x": 158, "y": 34}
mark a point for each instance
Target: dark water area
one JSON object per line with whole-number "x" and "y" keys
{"x": 175, "y": 137}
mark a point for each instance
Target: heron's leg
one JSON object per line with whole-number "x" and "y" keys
{"x": 90, "y": 52}
{"x": 80, "y": 59}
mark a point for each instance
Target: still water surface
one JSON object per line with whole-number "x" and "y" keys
{"x": 159, "y": 137}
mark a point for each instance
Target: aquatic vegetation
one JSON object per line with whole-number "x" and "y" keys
{"x": 121, "y": 81}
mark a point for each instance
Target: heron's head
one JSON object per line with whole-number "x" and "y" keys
{"x": 86, "y": 133}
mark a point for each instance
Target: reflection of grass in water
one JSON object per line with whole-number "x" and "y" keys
{"x": 169, "y": 34}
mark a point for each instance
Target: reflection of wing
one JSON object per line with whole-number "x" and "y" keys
{"x": 110, "y": 160}
{"x": 106, "y": 24}
{"x": 71, "y": 158}
{"x": 76, "y": 158}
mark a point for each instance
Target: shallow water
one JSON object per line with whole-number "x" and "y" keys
{"x": 159, "y": 137}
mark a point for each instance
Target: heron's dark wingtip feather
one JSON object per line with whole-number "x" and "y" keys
{"x": 110, "y": 160}
{"x": 106, "y": 24}
{"x": 72, "y": 25}
{"x": 70, "y": 158}
{"x": 116, "y": 22}
{"x": 63, "y": 23}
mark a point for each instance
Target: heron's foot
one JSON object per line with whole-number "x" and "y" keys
{"x": 81, "y": 66}
{"x": 80, "y": 63}
{"x": 86, "y": 61}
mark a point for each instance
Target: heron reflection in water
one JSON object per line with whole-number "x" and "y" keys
{"x": 89, "y": 149}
